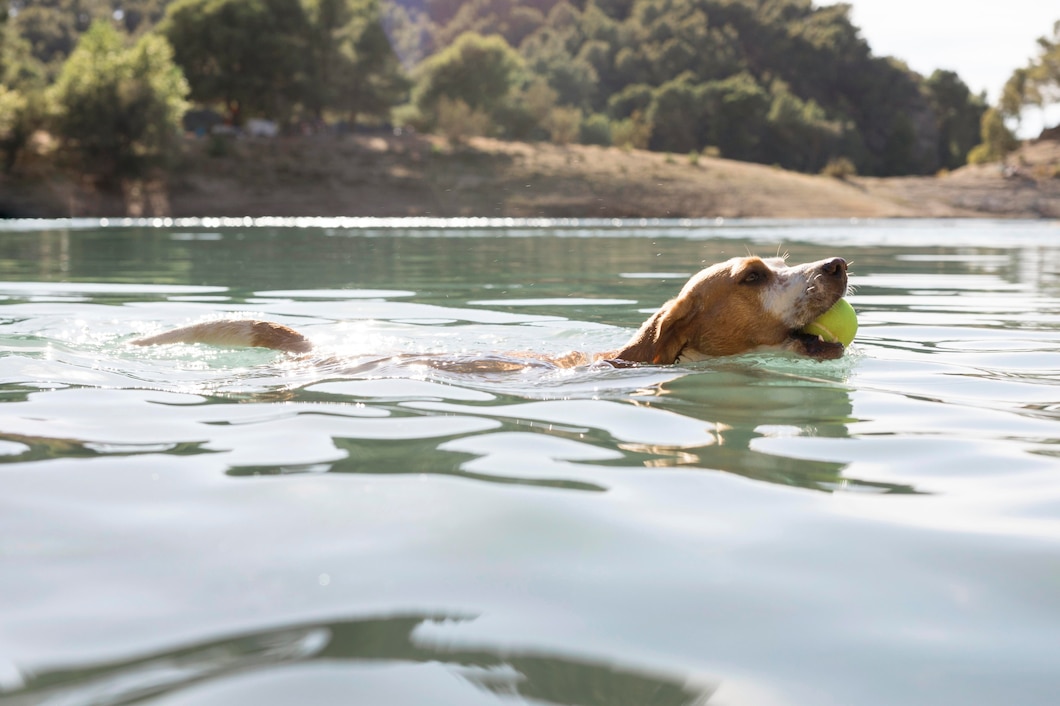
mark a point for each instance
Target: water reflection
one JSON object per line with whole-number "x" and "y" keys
{"x": 575, "y": 437}
{"x": 368, "y": 650}
{"x": 751, "y": 401}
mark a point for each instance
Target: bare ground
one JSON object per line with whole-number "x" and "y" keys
{"x": 414, "y": 175}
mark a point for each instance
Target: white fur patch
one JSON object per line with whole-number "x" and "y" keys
{"x": 784, "y": 298}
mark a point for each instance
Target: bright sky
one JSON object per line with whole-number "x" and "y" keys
{"x": 983, "y": 42}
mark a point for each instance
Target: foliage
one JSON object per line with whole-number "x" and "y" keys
{"x": 457, "y": 121}
{"x": 633, "y": 132}
{"x": 118, "y": 109}
{"x": 353, "y": 69}
{"x": 679, "y": 114}
{"x": 839, "y": 168}
{"x": 595, "y": 130}
{"x": 50, "y": 28}
{"x": 564, "y": 124}
{"x": 21, "y": 114}
{"x": 479, "y": 71}
{"x": 12, "y": 107}
{"x": 997, "y": 139}
{"x": 1039, "y": 82}
{"x": 244, "y": 54}
{"x": 959, "y": 115}
{"x": 782, "y": 82}
{"x": 737, "y": 110}
{"x": 799, "y": 132}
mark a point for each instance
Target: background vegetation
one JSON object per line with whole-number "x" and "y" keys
{"x": 780, "y": 82}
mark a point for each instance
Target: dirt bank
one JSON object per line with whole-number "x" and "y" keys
{"x": 417, "y": 175}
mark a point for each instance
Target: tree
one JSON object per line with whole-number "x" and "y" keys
{"x": 997, "y": 139}
{"x": 51, "y": 28}
{"x": 618, "y": 57}
{"x": 677, "y": 115}
{"x": 573, "y": 78}
{"x": 12, "y": 107}
{"x": 354, "y": 69}
{"x": 139, "y": 16}
{"x": 118, "y": 110}
{"x": 737, "y": 111}
{"x": 1037, "y": 84}
{"x": 479, "y": 71}
{"x": 958, "y": 113}
{"x": 799, "y": 134}
{"x": 249, "y": 55}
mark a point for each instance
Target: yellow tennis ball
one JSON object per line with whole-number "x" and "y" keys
{"x": 838, "y": 324}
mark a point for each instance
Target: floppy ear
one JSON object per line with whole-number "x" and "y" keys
{"x": 661, "y": 338}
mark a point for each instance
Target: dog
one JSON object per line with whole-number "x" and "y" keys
{"x": 738, "y": 306}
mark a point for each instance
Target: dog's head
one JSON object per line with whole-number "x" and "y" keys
{"x": 741, "y": 305}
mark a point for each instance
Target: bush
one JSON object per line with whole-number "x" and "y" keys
{"x": 595, "y": 130}
{"x": 457, "y": 121}
{"x": 997, "y": 140}
{"x": 631, "y": 133}
{"x": 839, "y": 168}
{"x": 564, "y": 124}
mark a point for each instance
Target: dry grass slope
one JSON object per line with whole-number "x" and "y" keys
{"x": 423, "y": 176}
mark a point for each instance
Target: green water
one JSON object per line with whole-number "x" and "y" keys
{"x": 187, "y": 525}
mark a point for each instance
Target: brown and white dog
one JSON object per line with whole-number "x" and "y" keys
{"x": 737, "y": 306}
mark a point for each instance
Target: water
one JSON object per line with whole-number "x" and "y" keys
{"x": 185, "y": 525}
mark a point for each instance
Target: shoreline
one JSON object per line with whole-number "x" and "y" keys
{"x": 422, "y": 176}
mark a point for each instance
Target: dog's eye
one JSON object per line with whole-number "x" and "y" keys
{"x": 752, "y": 277}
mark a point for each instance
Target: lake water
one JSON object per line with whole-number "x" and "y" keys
{"x": 187, "y": 525}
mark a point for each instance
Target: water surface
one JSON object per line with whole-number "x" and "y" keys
{"x": 187, "y": 525}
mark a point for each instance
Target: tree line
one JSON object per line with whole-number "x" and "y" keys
{"x": 773, "y": 81}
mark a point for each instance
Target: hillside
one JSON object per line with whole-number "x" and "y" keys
{"x": 415, "y": 175}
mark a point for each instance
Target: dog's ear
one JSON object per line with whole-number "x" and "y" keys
{"x": 661, "y": 338}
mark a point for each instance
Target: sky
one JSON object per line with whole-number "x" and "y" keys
{"x": 983, "y": 42}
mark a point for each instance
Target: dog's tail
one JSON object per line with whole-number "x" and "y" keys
{"x": 234, "y": 332}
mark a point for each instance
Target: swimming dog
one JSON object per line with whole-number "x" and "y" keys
{"x": 741, "y": 305}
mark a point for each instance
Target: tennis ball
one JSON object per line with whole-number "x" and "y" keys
{"x": 838, "y": 324}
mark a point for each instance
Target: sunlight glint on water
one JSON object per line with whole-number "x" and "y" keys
{"x": 381, "y": 523}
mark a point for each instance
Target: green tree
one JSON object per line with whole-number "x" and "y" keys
{"x": 997, "y": 139}
{"x": 51, "y": 28}
{"x": 564, "y": 125}
{"x": 736, "y": 116}
{"x": 677, "y": 115}
{"x": 633, "y": 132}
{"x": 635, "y": 98}
{"x": 478, "y": 71}
{"x": 511, "y": 19}
{"x": 12, "y": 107}
{"x": 621, "y": 56}
{"x": 595, "y": 130}
{"x": 958, "y": 113}
{"x": 139, "y": 16}
{"x": 1039, "y": 83}
{"x": 1017, "y": 93}
{"x": 354, "y": 70}
{"x": 248, "y": 55}
{"x": 21, "y": 114}
{"x": 573, "y": 78}
{"x": 799, "y": 134}
{"x": 118, "y": 110}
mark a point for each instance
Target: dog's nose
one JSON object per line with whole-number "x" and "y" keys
{"x": 834, "y": 267}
